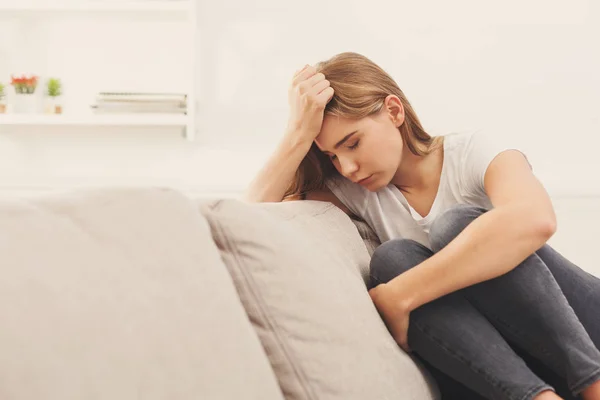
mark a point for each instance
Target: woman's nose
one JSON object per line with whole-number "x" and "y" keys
{"x": 348, "y": 166}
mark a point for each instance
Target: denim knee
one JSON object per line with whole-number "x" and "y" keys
{"x": 450, "y": 223}
{"x": 394, "y": 257}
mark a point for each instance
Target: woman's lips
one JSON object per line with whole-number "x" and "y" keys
{"x": 363, "y": 181}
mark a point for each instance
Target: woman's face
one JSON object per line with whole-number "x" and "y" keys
{"x": 366, "y": 151}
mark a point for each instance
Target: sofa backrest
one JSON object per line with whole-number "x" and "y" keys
{"x": 301, "y": 270}
{"x": 121, "y": 294}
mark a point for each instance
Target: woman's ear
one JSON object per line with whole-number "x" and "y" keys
{"x": 395, "y": 109}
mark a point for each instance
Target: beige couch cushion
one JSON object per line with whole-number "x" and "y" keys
{"x": 121, "y": 294}
{"x": 368, "y": 235}
{"x": 299, "y": 268}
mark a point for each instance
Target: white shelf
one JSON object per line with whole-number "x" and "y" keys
{"x": 33, "y": 11}
{"x": 96, "y": 5}
{"x": 94, "y": 120}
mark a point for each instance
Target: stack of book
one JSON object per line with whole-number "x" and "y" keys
{"x": 131, "y": 103}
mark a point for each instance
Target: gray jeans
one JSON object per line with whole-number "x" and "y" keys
{"x": 546, "y": 307}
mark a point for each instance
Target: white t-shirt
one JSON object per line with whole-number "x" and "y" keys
{"x": 466, "y": 158}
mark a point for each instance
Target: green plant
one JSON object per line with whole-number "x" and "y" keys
{"x": 54, "y": 87}
{"x": 2, "y": 93}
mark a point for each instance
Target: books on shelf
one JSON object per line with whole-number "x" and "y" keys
{"x": 128, "y": 102}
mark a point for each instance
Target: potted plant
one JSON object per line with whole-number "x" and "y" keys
{"x": 25, "y": 100}
{"x": 2, "y": 97}
{"x": 53, "y": 92}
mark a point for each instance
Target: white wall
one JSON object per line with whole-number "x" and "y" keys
{"x": 578, "y": 231}
{"x": 524, "y": 69}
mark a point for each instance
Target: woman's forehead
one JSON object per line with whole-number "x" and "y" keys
{"x": 335, "y": 128}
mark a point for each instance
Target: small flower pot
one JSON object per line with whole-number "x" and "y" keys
{"x": 2, "y": 107}
{"x": 25, "y": 103}
{"x": 53, "y": 105}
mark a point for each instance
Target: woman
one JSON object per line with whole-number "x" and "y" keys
{"x": 464, "y": 277}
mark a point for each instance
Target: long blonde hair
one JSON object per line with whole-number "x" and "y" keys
{"x": 360, "y": 89}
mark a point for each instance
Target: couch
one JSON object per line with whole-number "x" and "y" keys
{"x": 148, "y": 293}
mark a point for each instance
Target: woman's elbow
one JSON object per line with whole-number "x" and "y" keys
{"x": 537, "y": 222}
{"x": 545, "y": 226}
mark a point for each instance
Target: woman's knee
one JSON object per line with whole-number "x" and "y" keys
{"x": 450, "y": 223}
{"x": 394, "y": 257}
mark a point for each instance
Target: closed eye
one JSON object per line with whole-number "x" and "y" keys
{"x": 354, "y": 146}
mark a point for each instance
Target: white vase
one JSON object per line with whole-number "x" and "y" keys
{"x": 25, "y": 103}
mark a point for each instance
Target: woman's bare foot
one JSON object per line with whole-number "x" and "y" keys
{"x": 592, "y": 392}
{"x": 547, "y": 395}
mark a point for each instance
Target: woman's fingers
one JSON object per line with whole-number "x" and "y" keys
{"x": 316, "y": 78}
{"x": 308, "y": 85}
{"x": 324, "y": 97}
{"x": 304, "y": 75}
{"x": 300, "y": 70}
{"x": 319, "y": 87}
{"x": 308, "y": 82}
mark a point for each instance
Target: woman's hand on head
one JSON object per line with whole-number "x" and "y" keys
{"x": 308, "y": 95}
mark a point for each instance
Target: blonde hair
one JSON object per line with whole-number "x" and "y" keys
{"x": 360, "y": 89}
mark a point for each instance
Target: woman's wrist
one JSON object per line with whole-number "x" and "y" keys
{"x": 296, "y": 139}
{"x": 403, "y": 297}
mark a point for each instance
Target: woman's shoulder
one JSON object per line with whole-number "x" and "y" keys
{"x": 353, "y": 195}
{"x": 327, "y": 195}
{"x": 471, "y": 142}
{"x": 462, "y": 138}
{"x": 339, "y": 182}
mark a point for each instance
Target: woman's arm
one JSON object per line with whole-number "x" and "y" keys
{"x": 521, "y": 222}
{"x": 268, "y": 186}
{"x": 276, "y": 175}
{"x": 308, "y": 94}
